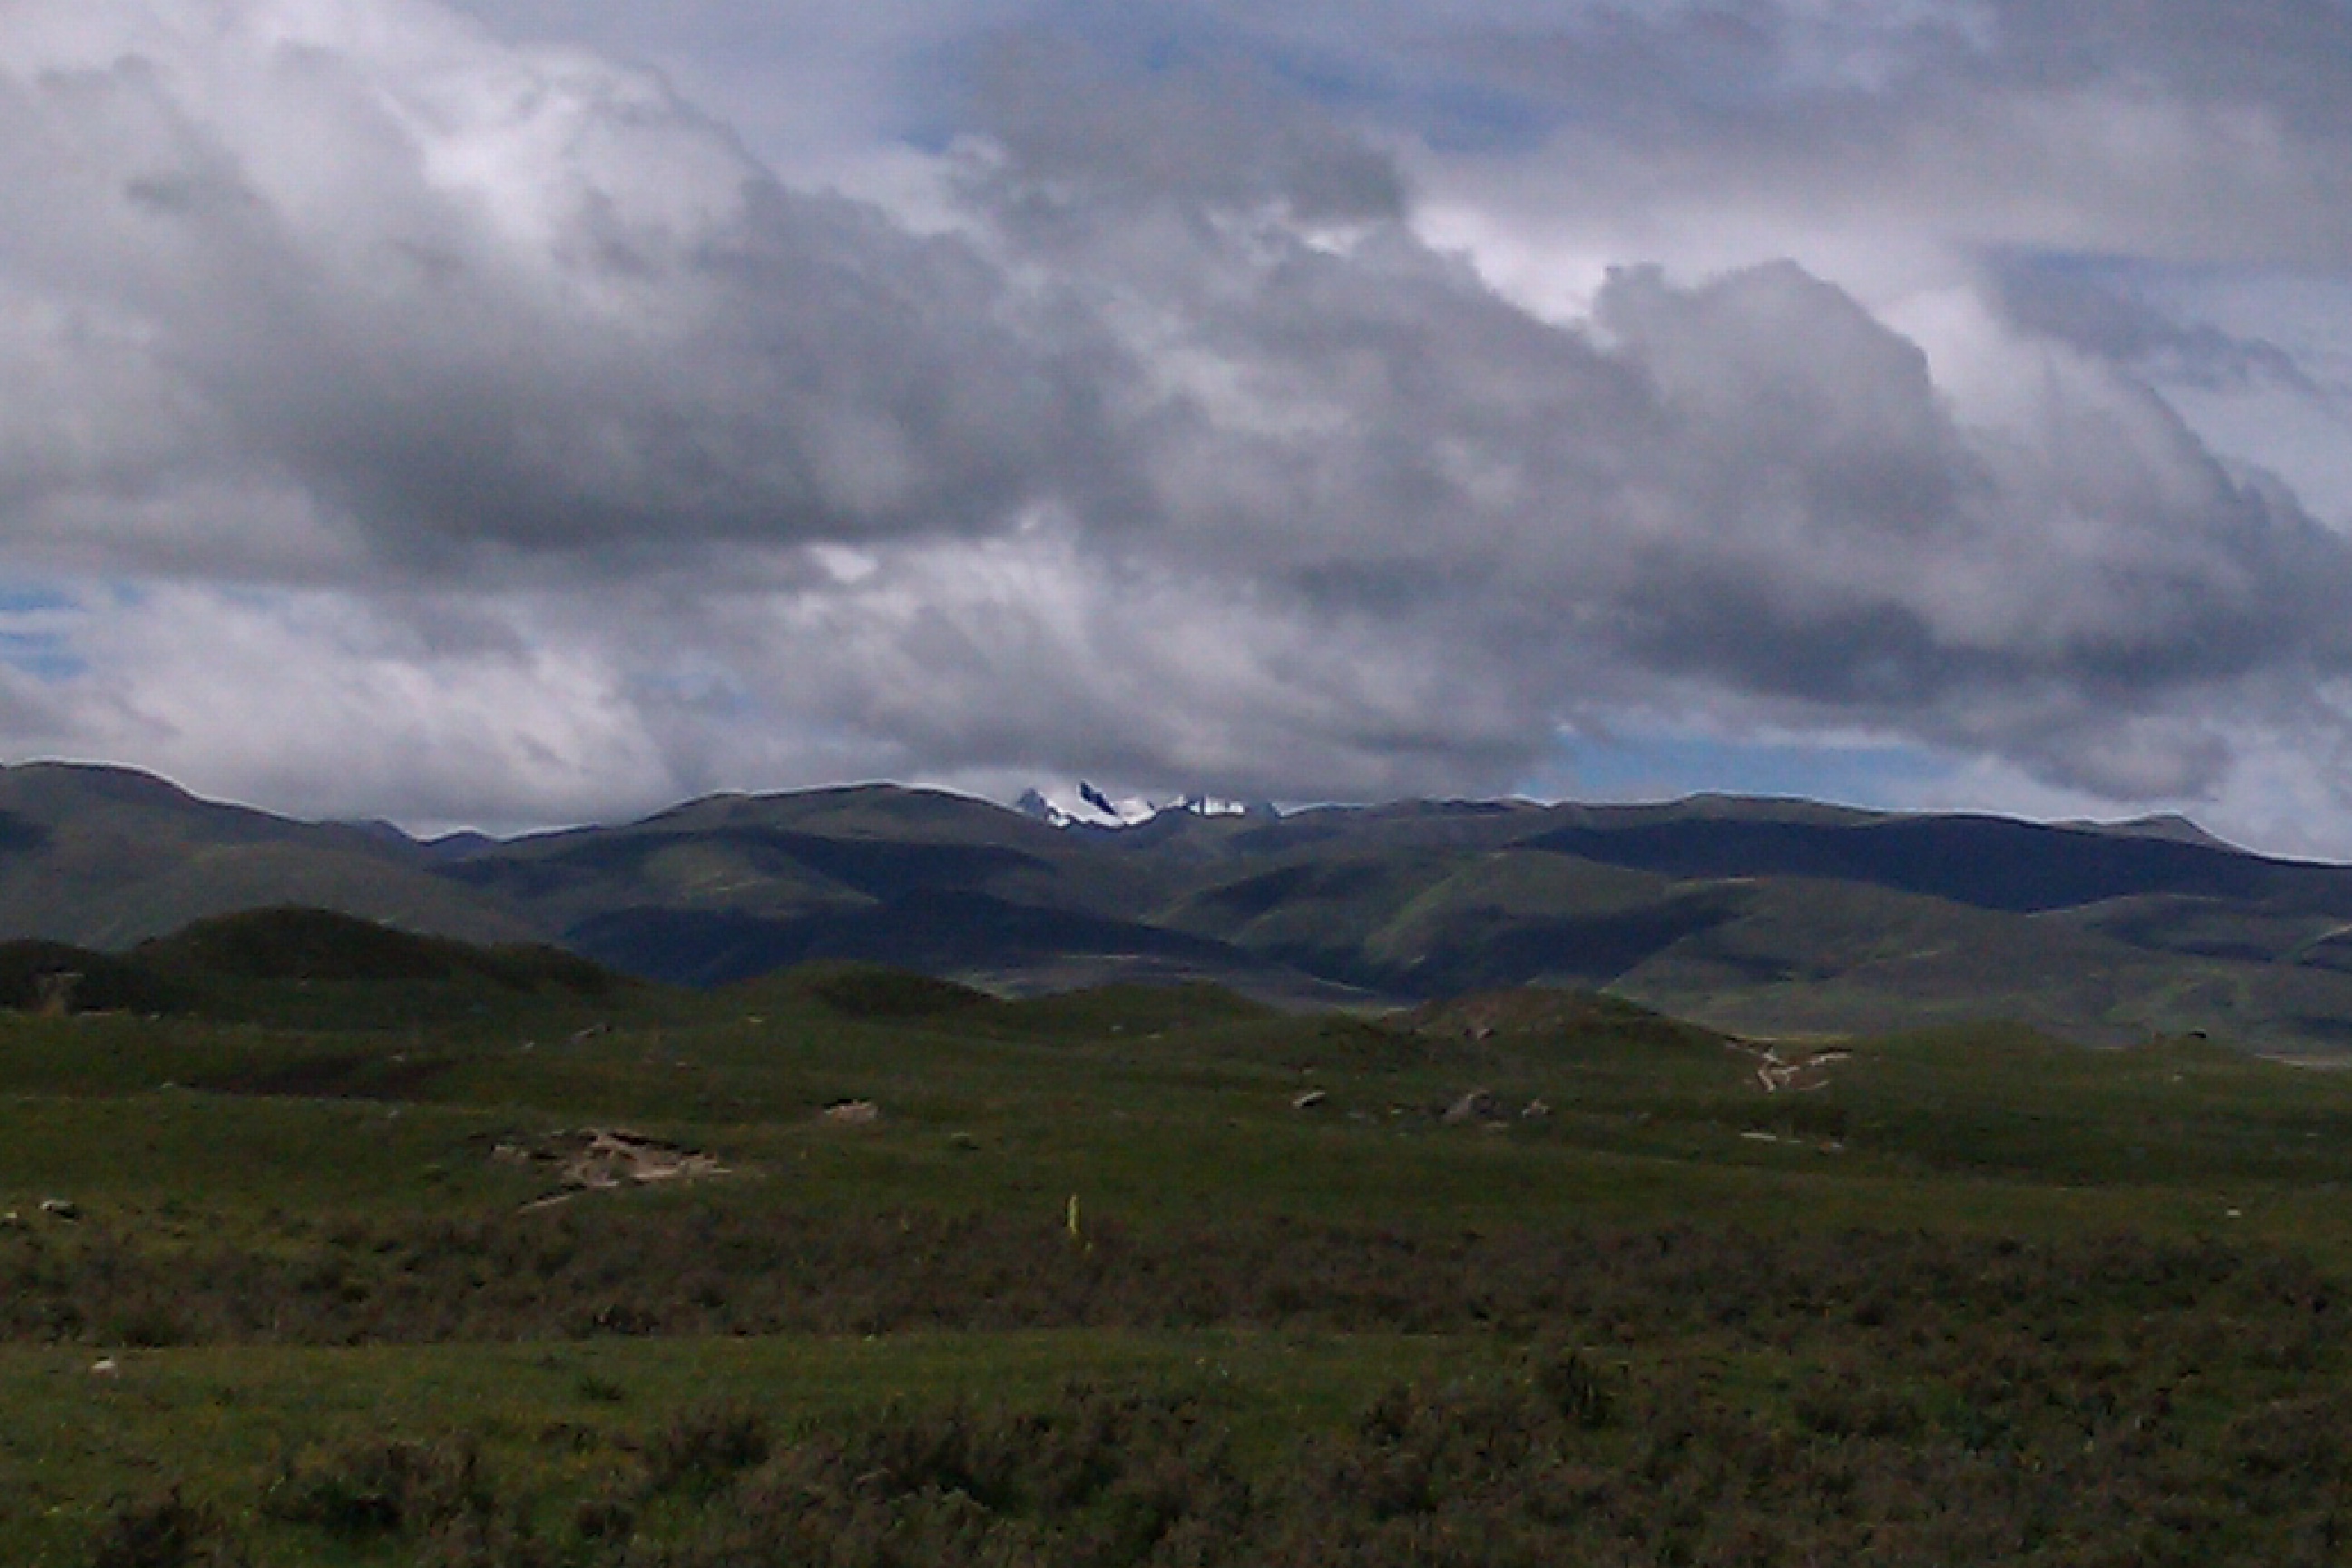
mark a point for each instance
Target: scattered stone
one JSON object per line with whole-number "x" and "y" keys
{"x": 12, "y": 1220}
{"x": 1776, "y": 1073}
{"x": 1755, "y": 1137}
{"x": 611, "y": 1156}
{"x": 103, "y": 1367}
{"x": 853, "y": 1112}
{"x": 62, "y": 1208}
{"x": 598, "y": 1159}
{"x": 1307, "y": 1099}
{"x": 1478, "y": 1105}
{"x": 1534, "y": 1110}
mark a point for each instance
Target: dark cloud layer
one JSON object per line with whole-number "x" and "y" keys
{"x": 670, "y": 345}
{"x": 495, "y": 416}
{"x": 2082, "y": 304}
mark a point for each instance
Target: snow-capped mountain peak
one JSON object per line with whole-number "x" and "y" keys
{"x": 1213, "y": 805}
{"x": 1089, "y": 806}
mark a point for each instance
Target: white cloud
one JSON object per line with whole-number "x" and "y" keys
{"x": 324, "y": 702}
{"x": 489, "y": 433}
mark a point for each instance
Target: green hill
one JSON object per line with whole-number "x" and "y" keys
{"x": 106, "y": 857}
{"x": 1767, "y": 916}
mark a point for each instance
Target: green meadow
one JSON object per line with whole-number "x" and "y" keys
{"x": 326, "y": 1270}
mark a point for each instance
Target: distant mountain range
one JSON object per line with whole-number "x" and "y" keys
{"x": 1765, "y": 916}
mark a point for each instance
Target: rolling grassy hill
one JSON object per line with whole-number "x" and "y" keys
{"x": 106, "y": 857}
{"x": 1764, "y": 916}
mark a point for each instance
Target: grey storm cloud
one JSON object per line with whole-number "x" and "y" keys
{"x": 1209, "y": 135}
{"x": 1175, "y": 454}
{"x": 2069, "y": 300}
{"x": 618, "y": 330}
{"x": 2202, "y": 131}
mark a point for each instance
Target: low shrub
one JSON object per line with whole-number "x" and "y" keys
{"x": 162, "y": 1530}
{"x": 1561, "y": 1459}
{"x": 381, "y": 1486}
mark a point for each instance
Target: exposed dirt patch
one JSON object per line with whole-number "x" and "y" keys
{"x": 598, "y": 1159}
{"x": 1789, "y": 1069}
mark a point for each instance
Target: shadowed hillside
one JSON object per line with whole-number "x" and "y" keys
{"x": 1983, "y": 861}
{"x": 1761, "y": 915}
{"x": 106, "y": 857}
{"x": 304, "y": 945}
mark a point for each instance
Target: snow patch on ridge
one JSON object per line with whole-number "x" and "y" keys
{"x": 1088, "y": 807}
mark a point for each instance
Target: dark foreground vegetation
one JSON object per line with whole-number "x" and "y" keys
{"x": 373, "y": 1252}
{"x": 1676, "y": 1396}
{"x": 2066, "y": 1458}
{"x": 702, "y": 1270}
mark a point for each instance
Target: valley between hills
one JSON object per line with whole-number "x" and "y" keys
{"x": 879, "y": 1177}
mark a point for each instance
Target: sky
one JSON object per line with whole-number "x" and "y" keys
{"x": 517, "y": 412}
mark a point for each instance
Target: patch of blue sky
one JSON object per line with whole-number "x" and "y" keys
{"x": 34, "y": 598}
{"x": 1668, "y": 767}
{"x": 45, "y": 655}
{"x": 36, "y": 624}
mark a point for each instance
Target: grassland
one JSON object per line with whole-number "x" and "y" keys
{"x": 1147, "y": 1275}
